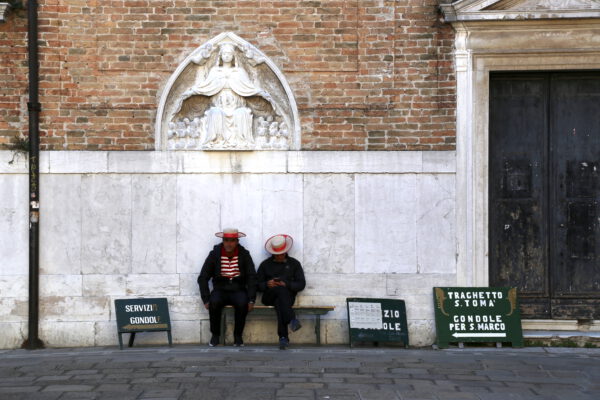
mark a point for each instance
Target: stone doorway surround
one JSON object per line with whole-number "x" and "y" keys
{"x": 505, "y": 35}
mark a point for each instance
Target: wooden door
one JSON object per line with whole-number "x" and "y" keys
{"x": 544, "y": 190}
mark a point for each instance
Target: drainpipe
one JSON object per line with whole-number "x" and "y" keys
{"x": 34, "y": 108}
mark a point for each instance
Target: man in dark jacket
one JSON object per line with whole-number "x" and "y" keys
{"x": 280, "y": 278}
{"x": 231, "y": 269}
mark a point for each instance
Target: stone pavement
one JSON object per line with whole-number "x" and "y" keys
{"x": 260, "y": 372}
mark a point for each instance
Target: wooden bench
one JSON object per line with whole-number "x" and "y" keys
{"x": 317, "y": 311}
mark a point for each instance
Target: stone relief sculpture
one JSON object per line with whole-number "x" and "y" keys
{"x": 226, "y": 96}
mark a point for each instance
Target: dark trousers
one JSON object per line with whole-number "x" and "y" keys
{"x": 283, "y": 300}
{"x": 221, "y": 298}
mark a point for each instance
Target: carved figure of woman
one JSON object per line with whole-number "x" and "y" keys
{"x": 228, "y": 121}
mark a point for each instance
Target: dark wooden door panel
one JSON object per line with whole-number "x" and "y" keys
{"x": 544, "y": 191}
{"x": 517, "y": 190}
{"x": 575, "y": 155}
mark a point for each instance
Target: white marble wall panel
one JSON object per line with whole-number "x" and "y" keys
{"x": 329, "y": 223}
{"x": 198, "y": 218}
{"x": 355, "y": 161}
{"x": 67, "y": 308}
{"x": 335, "y": 331}
{"x": 188, "y": 285}
{"x": 224, "y": 162}
{"x": 401, "y": 285}
{"x": 106, "y": 224}
{"x": 151, "y": 285}
{"x": 241, "y": 205}
{"x": 105, "y": 334}
{"x": 104, "y": 285}
{"x": 421, "y": 332}
{"x": 281, "y": 212}
{"x": 439, "y": 162}
{"x": 75, "y": 162}
{"x": 66, "y": 162}
{"x": 386, "y": 218}
{"x": 185, "y": 331}
{"x": 186, "y": 308}
{"x": 12, "y": 162}
{"x": 371, "y": 285}
{"x": 436, "y": 244}
{"x": 13, "y": 334}
{"x": 60, "y": 224}
{"x": 13, "y": 309}
{"x": 60, "y": 285}
{"x": 154, "y": 224}
{"x": 14, "y": 285}
{"x": 145, "y": 162}
{"x": 14, "y": 225}
{"x": 141, "y": 224}
{"x": 72, "y": 334}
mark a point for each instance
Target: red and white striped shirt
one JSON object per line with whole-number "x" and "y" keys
{"x": 229, "y": 265}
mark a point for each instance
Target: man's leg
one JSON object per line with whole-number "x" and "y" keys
{"x": 283, "y": 302}
{"x": 239, "y": 301}
{"x": 215, "y": 308}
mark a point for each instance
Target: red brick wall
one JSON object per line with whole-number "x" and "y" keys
{"x": 367, "y": 75}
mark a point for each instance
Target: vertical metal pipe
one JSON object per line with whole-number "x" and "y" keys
{"x": 33, "y": 341}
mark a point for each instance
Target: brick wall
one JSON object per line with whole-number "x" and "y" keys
{"x": 367, "y": 75}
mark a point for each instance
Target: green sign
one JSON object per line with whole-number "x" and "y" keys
{"x": 477, "y": 314}
{"x": 377, "y": 320}
{"x": 142, "y": 315}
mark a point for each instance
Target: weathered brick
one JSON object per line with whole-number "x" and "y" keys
{"x": 367, "y": 75}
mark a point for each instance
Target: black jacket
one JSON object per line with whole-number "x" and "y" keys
{"x": 290, "y": 272}
{"x": 212, "y": 270}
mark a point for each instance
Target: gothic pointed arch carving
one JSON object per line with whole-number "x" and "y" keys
{"x": 227, "y": 95}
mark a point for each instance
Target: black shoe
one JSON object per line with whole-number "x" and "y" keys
{"x": 283, "y": 343}
{"x": 295, "y": 325}
{"x": 238, "y": 341}
{"x": 214, "y": 341}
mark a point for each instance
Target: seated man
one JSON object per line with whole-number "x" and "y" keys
{"x": 280, "y": 278}
{"x": 231, "y": 269}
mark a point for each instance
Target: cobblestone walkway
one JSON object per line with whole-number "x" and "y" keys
{"x": 262, "y": 373}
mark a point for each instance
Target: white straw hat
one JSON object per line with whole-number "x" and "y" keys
{"x": 230, "y": 233}
{"x": 279, "y": 244}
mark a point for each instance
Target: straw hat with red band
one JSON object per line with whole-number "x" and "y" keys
{"x": 279, "y": 244}
{"x": 230, "y": 233}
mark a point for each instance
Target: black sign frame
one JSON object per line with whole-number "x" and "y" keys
{"x": 142, "y": 315}
{"x": 377, "y": 320}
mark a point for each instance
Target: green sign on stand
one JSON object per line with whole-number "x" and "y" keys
{"x": 142, "y": 315}
{"x": 477, "y": 314}
{"x": 377, "y": 320}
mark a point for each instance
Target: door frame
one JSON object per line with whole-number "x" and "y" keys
{"x": 524, "y": 45}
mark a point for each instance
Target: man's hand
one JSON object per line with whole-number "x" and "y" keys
{"x": 272, "y": 283}
{"x": 250, "y": 307}
{"x": 206, "y": 305}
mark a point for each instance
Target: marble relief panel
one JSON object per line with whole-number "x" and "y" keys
{"x": 59, "y": 285}
{"x": 153, "y": 224}
{"x": 386, "y": 218}
{"x": 106, "y": 224}
{"x": 60, "y": 228}
{"x": 198, "y": 218}
{"x": 281, "y": 212}
{"x": 14, "y": 229}
{"x": 241, "y": 205}
{"x": 436, "y": 245}
{"x": 329, "y": 223}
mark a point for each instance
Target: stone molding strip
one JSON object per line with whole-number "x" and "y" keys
{"x": 164, "y": 162}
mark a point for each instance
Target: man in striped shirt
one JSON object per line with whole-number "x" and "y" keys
{"x": 231, "y": 269}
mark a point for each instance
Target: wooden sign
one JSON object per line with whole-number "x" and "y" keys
{"x": 477, "y": 314}
{"x": 142, "y": 315}
{"x": 377, "y": 320}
